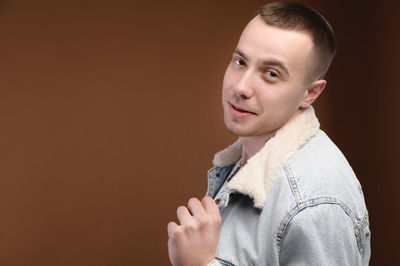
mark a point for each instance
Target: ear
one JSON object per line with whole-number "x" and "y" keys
{"x": 312, "y": 93}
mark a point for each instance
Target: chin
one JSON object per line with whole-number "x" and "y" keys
{"x": 250, "y": 130}
{"x": 232, "y": 128}
{"x": 238, "y": 130}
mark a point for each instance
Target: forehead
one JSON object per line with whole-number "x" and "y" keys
{"x": 260, "y": 41}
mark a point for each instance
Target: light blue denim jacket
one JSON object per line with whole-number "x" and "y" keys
{"x": 296, "y": 202}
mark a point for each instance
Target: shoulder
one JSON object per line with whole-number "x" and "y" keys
{"x": 322, "y": 192}
{"x": 318, "y": 174}
{"x": 319, "y": 170}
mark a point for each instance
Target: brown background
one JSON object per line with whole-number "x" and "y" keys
{"x": 110, "y": 115}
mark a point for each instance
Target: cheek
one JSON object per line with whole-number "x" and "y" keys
{"x": 229, "y": 78}
{"x": 297, "y": 97}
{"x": 293, "y": 94}
{"x": 277, "y": 100}
{"x": 225, "y": 82}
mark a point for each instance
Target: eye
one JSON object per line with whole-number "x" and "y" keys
{"x": 238, "y": 62}
{"x": 271, "y": 74}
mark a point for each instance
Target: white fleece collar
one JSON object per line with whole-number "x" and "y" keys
{"x": 255, "y": 179}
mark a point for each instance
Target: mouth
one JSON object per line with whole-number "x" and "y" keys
{"x": 240, "y": 109}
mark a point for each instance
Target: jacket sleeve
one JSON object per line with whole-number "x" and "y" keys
{"x": 324, "y": 235}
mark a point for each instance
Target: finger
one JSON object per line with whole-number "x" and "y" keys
{"x": 196, "y": 208}
{"x": 172, "y": 228}
{"x": 209, "y": 206}
{"x": 183, "y": 215}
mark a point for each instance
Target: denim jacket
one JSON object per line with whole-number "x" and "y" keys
{"x": 296, "y": 202}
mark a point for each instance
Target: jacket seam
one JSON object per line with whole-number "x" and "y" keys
{"x": 359, "y": 229}
{"x": 293, "y": 185}
{"x": 301, "y": 205}
{"x": 225, "y": 261}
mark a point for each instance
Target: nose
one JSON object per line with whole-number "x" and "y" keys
{"x": 244, "y": 87}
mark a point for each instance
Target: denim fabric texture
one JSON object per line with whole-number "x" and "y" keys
{"x": 314, "y": 213}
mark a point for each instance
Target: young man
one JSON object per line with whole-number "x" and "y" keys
{"x": 283, "y": 194}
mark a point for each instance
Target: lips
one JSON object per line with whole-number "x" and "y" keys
{"x": 240, "y": 109}
{"x": 239, "y": 112}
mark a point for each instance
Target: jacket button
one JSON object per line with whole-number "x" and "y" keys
{"x": 217, "y": 201}
{"x": 217, "y": 174}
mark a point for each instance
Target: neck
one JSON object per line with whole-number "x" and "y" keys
{"x": 252, "y": 145}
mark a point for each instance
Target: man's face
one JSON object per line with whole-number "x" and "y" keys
{"x": 265, "y": 84}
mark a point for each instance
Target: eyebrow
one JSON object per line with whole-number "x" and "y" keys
{"x": 270, "y": 62}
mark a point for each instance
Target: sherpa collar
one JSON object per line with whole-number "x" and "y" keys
{"x": 255, "y": 179}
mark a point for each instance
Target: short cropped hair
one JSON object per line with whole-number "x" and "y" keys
{"x": 294, "y": 16}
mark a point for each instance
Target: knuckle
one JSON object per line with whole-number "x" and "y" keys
{"x": 175, "y": 235}
{"x": 209, "y": 222}
{"x": 170, "y": 226}
{"x": 203, "y": 222}
{"x": 180, "y": 209}
{"x": 191, "y": 227}
{"x": 192, "y": 201}
{"x": 207, "y": 199}
{"x": 217, "y": 221}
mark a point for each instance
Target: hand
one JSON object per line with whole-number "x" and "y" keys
{"x": 195, "y": 240}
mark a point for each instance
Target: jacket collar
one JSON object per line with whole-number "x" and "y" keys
{"x": 255, "y": 179}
